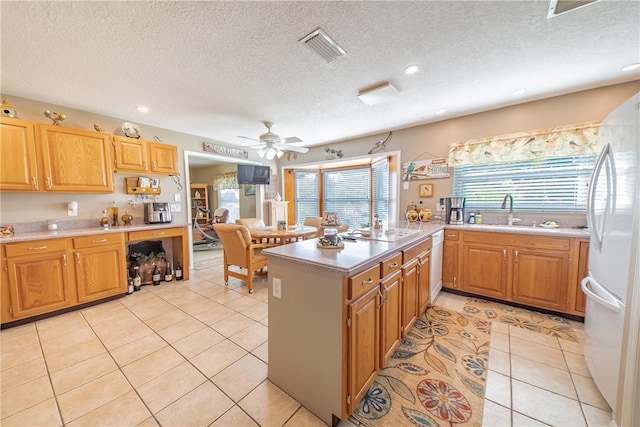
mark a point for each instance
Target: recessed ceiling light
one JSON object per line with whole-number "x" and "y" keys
{"x": 631, "y": 67}
{"x": 142, "y": 109}
{"x": 440, "y": 111}
{"x": 411, "y": 69}
{"x": 519, "y": 92}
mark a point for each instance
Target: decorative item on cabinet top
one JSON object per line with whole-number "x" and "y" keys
{"x": 131, "y": 130}
{"x": 56, "y": 117}
{"x": 8, "y": 110}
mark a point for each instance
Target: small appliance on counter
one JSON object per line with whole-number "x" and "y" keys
{"x": 454, "y": 210}
{"x": 157, "y": 213}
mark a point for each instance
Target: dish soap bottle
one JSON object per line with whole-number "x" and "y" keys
{"x": 478, "y": 218}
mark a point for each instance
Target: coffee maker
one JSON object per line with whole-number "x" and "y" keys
{"x": 157, "y": 213}
{"x": 454, "y": 210}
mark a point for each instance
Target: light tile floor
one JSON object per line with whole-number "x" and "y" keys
{"x": 194, "y": 353}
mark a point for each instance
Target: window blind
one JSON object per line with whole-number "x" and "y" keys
{"x": 548, "y": 185}
{"x": 307, "y": 194}
{"x": 347, "y": 192}
{"x": 381, "y": 190}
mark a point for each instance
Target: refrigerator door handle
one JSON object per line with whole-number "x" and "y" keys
{"x": 607, "y": 300}
{"x": 604, "y": 160}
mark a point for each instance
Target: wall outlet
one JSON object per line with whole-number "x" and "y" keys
{"x": 277, "y": 288}
{"x": 175, "y": 207}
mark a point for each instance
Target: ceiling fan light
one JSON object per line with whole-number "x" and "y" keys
{"x": 261, "y": 152}
{"x": 271, "y": 153}
{"x": 279, "y": 153}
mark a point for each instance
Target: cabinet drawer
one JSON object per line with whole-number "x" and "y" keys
{"x": 362, "y": 282}
{"x": 451, "y": 234}
{"x": 157, "y": 233}
{"x": 98, "y": 240}
{"x": 520, "y": 240}
{"x": 391, "y": 265}
{"x": 36, "y": 247}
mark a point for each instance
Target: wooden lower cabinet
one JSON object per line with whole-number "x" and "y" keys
{"x": 484, "y": 270}
{"x": 424, "y": 281}
{"x": 409, "y": 295}
{"x": 540, "y": 278}
{"x": 39, "y": 278}
{"x": 450, "y": 259}
{"x": 390, "y": 316}
{"x": 364, "y": 344}
{"x": 100, "y": 266}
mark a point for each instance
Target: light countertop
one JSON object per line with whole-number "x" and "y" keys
{"x": 522, "y": 229}
{"x": 76, "y": 232}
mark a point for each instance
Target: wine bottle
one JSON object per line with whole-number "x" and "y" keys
{"x": 137, "y": 280}
{"x": 129, "y": 285}
{"x": 178, "y": 271}
{"x": 155, "y": 278}
{"x": 168, "y": 275}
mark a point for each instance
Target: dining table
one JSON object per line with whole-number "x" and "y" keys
{"x": 274, "y": 234}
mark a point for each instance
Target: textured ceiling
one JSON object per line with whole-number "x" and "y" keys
{"x": 217, "y": 69}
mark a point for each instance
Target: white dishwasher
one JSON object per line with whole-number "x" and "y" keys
{"x": 436, "y": 264}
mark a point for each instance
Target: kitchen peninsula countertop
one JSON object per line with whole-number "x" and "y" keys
{"x": 88, "y": 231}
{"x": 356, "y": 255}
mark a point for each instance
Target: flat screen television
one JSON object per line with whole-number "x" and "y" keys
{"x": 253, "y": 174}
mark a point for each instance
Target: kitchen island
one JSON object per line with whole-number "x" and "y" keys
{"x": 336, "y": 315}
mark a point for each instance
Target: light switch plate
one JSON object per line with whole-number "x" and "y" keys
{"x": 277, "y": 288}
{"x": 176, "y": 197}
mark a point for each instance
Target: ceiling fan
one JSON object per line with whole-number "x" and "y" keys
{"x": 271, "y": 145}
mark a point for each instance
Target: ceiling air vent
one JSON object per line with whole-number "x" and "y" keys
{"x": 323, "y": 45}
{"x": 557, "y": 7}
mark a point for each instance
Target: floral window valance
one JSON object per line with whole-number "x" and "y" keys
{"x": 226, "y": 181}
{"x": 562, "y": 141}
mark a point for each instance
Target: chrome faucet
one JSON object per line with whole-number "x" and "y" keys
{"x": 511, "y": 219}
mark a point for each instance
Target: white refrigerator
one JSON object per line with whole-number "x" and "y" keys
{"x": 613, "y": 216}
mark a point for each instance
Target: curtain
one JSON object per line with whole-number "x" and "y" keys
{"x": 562, "y": 141}
{"x": 226, "y": 181}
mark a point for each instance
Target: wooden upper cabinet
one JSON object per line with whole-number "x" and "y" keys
{"x": 18, "y": 161}
{"x": 130, "y": 154}
{"x": 164, "y": 158}
{"x": 75, "y": 160}
{"x": 135, "y": 155}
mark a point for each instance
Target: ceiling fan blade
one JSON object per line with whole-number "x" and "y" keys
{"x": 287, "y": 147}
{"x": 290, "y": 140}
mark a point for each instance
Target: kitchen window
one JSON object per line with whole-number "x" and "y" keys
{"x": 354, "y": 193}
{"x": 549, "y": 185}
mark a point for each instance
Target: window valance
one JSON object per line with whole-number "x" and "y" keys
{"x": 564, "y": 141}
{"x": 226, "y": 181}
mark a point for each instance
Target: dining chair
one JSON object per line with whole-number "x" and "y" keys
{"x": 250, "y": 222}
{"x": 241, "y": 252}
{"x": 318, "y": 222}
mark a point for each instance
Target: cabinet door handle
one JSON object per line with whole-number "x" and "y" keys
{"x": 159, "y": 233}
{"x": 368, "y": 281}
{"x": 99, "y": 241}
{"x": 49, "y": 182}
{"x": 516, "y": 253}
{"x": 394, "y": 265}
{"x": 34, "y": 179}
{"x": 381, "y": 298}
{"x": 37, "y": 248}
{"x": 153, "y": 165}
{"x": 145, "y": 164}
{"x": 504, "y": 254}
{"x": 455, "y": 282}
{"x": 77, "y": 257}
{"x": 64, "y": 259}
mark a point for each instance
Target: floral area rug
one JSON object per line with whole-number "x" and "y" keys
{"x": 436, "y": 377}
{"x": 547, "y": 324}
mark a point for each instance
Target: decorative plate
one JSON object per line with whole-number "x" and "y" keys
{"x": 131, "y": 130}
